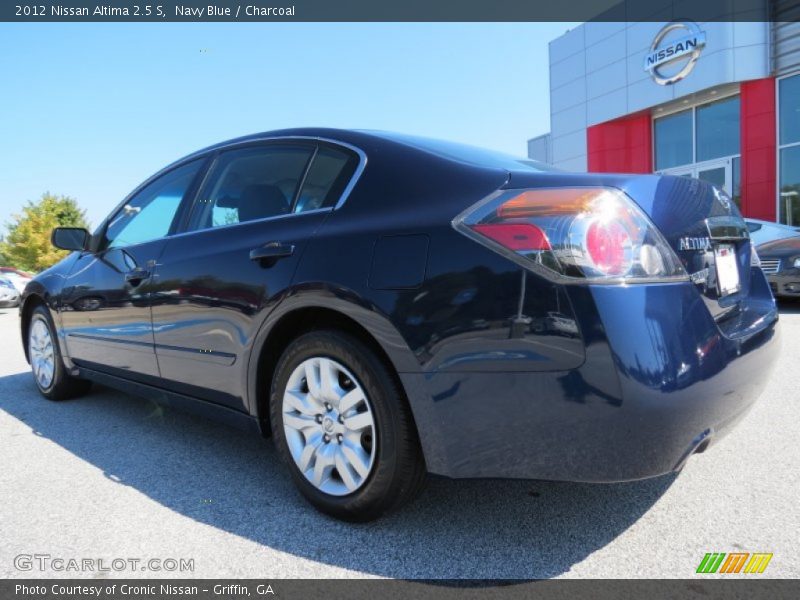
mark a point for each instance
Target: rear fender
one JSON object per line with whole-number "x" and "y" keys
{"x": 339, "y": 300}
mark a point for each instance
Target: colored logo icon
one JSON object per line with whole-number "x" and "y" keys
{"x": 734, "y": 562}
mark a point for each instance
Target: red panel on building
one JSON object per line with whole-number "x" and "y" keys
{"x": 758, "y": 148}
{"x": 624, "y": 145}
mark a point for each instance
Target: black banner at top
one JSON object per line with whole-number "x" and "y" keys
{"x": 400, "y": 10}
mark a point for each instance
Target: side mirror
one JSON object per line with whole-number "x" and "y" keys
{"x": 70, "y": 238}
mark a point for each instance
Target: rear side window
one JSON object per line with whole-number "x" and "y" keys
{"x": 249, "y": 184}
{"x": 327, "y": 178}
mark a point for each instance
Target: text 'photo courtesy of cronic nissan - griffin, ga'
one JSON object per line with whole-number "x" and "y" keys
{"x": 386, "y": 306}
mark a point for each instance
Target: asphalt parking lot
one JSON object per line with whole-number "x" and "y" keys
{"x": 110, "y": 476}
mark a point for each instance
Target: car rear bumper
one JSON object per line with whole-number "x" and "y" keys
{"x": 660, "y": 381}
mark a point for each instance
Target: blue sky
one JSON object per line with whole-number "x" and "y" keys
{"x": 91, "y": 110}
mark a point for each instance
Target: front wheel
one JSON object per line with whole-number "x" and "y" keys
{"x": 343, "y": 426}
{"x": 48, "y": 368}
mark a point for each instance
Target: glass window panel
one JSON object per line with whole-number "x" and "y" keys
{"x": 326, "y": 179}
{"x": 715, "y": 176}
{"x": 717, "y": 129}
{"x": 789, "y": 100}
{"x": 149, "y": 214}
{"x": 673, "y": 141}
{"x": 790, "y": 186}
{"x": 736, "y": 181}
{"x": 251, "y": 184}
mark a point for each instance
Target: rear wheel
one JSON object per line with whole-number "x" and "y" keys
{"x": 343, "y": 426}
{"x": 48, "y": 368}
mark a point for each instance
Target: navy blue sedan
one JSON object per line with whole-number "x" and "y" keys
{"x": 386, "y": 306}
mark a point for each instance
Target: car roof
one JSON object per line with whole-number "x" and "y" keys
{"x": 466, "y": 153}
{"x": 772, "y": 223}
{"x": 781, "y": 244}
{"x": 367, "y": 140}
{"x": 14, "y": 271}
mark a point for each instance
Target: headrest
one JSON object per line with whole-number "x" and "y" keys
{"x": 261, "y": 201}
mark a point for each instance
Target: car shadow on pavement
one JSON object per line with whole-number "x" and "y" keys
{"x": 790, "y": 306}
{"x": 218, "y": 476}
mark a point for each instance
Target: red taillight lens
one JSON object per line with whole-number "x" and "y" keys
{"x": 596, "y": 234}
{"x": 609, "y": 246}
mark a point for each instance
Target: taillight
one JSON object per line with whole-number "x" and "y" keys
{"x": 515, "y": 236}
{"x": 595, "y": 234}
{"x": 610, "y": 248}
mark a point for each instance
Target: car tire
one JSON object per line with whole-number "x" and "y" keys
{"x": 49, "y": 371}
{"x": 348, "y": 490}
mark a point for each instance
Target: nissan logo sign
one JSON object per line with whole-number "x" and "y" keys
{"x": 679, "y": 53}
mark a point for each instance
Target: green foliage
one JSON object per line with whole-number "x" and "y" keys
{"x": 27, "y": 244}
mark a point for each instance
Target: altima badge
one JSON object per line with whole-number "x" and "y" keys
{"x": 695, "y": 243}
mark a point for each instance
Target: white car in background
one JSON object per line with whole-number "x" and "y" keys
{"x": 762, "y": 232}
{"x": 9, "y": 295}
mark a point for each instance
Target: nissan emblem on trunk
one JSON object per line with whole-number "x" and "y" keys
{"x": 670, "y": 60}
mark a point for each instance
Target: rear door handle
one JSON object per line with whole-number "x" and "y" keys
{"x": 271, "y": 252}
{"x": 137, "y": 276}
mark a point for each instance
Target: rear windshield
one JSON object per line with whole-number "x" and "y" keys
{"x": 469, "y": 154}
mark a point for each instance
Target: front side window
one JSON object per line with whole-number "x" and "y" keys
{"x": 148, "y": 215}
{"x": 252, "y": 183}
{"x": 673, "y": 140}
{"x": 718, "y": 129}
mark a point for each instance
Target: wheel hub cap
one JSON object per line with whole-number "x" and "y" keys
{"x": 40, "y": 350}
{"x": 329, "y": 426}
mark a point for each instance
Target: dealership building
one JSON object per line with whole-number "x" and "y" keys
{"x": 715, "y": 100}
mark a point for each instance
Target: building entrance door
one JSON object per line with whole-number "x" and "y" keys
{"x": 717, "y": 172}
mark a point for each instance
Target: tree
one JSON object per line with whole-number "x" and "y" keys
{"x": 27, "y": 245}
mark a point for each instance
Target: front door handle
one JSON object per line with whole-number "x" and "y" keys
{"x": 269, "y": 253}
{"x": 137, "y": 276}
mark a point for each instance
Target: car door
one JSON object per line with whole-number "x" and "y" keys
{"x": 105, "y": 301}
{"x": 252, "y": 218}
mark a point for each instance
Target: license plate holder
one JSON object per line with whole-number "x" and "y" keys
{"x": 728, "y": 280}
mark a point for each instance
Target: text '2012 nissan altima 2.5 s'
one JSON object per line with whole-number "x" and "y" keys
{"x": 386, "y": 307}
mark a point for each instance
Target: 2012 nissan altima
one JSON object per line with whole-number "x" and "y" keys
{"x": 386, "y": 307}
